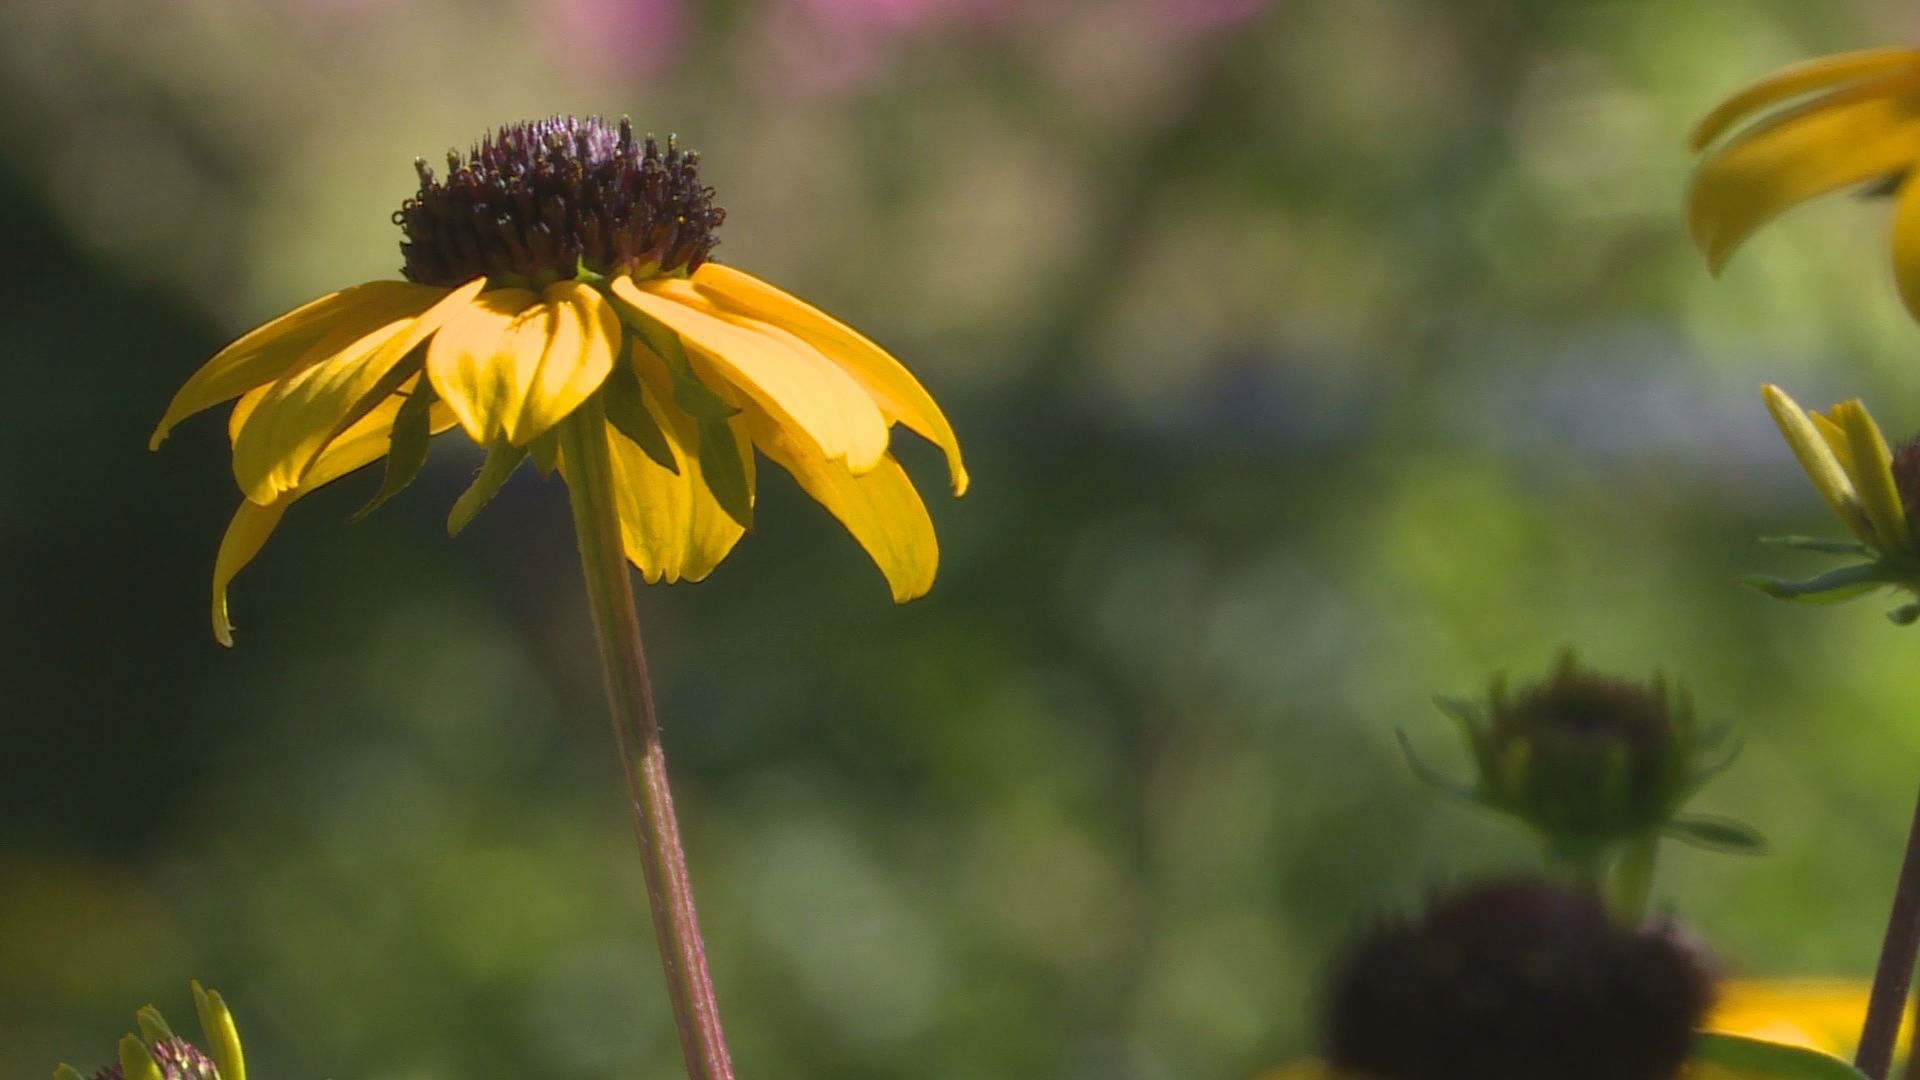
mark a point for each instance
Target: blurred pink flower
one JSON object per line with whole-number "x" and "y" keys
{"x": 614, "y": 37}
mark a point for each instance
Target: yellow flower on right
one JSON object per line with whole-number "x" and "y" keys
{"x": 1810, "y": 129}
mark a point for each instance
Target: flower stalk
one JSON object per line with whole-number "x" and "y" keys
{"x": 1894, "y": 975}
{"x": 596, "y": 524}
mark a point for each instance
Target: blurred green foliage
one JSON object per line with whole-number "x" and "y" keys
{"x": 1311, "y": 358}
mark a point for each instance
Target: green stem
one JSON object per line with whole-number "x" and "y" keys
{"x": 1632, "y": 880}
{"x": 1894, "y": 975}
{"x": 596, "y": 526}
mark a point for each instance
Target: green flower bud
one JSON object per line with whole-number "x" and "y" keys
{"x": 158, "y": 1054}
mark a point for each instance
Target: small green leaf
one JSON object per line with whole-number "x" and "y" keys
{"x": 223, "y": 1038}
{"x": 1757, "y": 1059}
{"x": 153, "y": 1026}
{"x": 1429, "y": 776}
{"x": 627, "y": 412}
{"x": 724, "y": 471}
{"x": 67, "y": 1072}
{"x": 1831, "y": 587}
{"x": 502, "y": 459}
{"x": 1820, "y": 544}
{"x": 136, "y": 1063}
{"x": 407, "y": 452}
{"x": 544, "y": 449}
{"x": 1717, "y": 834}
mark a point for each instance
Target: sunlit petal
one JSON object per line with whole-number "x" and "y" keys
{"x": 271, "y": 351}
{"x": 898, "y": 393}
{"x": 1817, "y": 458}
{"x": 782, "y": 374}
{"x": 304, "y": 411}
{"x": 1797, "y": 79}
{"x": 879, "y": 507}
{"x": 470, "y": 364}
{"x": 246, "y": 534}
{"x": 1849, "y": 136}
{"x": 1872, "y": 474}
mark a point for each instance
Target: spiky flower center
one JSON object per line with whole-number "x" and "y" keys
{"x": 1516, "y": 980}
{"x": 178, "y": 1060}
{"x": 534, "y": 202}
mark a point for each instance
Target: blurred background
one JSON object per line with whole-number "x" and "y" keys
{"x": 1311, "y": 356}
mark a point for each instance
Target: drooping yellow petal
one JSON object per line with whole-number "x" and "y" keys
{"x": 898, "y": 393}
{"x": 1849, "y": 136}
{"x": 271, "y": 351}
{"x": 879, "y": 507}
{"x": 362, "y": 443}
{"x": 463, "y": 356}
{"x": 1872, "y": 474}
{"x": 671, "y": 525}
{"x": 514, "y": 381}
{"x": 1906, "y": 246}
{"x": 1817, "y": 458}
{"x": 303, "y": 412}
{"x": 246, "y": 534}
{"x": 782, "y": 374}
{"x": 1802, "y": 78}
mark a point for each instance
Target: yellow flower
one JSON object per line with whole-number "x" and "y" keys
{"x": 1819, "y": 1014}
{"x": 158, "y": 1054}
{"x": 1872, "y": 489}
{"x": 562, "y": 266}
{"x": 1860, "y": 126}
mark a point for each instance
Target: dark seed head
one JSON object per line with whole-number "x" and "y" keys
{"x": 1516, "y": 980}
{"x": 178, "y": 1060}
{"x": 534, "y": 202}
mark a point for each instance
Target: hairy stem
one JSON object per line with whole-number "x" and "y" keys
{"x": 596, "y": 525}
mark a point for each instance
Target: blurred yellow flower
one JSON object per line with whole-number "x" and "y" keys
{"x": 561, "y": 270}
{"x": 1819, "y": 1014}
{"x": 1861, "y": 126}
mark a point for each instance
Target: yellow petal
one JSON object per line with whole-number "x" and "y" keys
{"x": 270, "y": 351}
{"x": 363, "y": 442}
{"x": 515, "y": 380}
{"x": 898, "y": 393}
{"x": 1817, "y": 458}
{"x": 1906, "y": 246}
{"x": 1798, "y": 79}
{"x": 797, "y": 386}
{"x": 880, "y": 507}
{"x": 246, "y": 534}
{"x": 1872, "y": 474}
{"x": 1849, "y": 136}
{"x": 671, "y": 525}
{"x": 1820, "y": 1014}
{"x": 304, "y": 411}
{"x": 463, "y": 356}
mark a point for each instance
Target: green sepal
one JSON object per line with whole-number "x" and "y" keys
{"x": 222, "y": 1036}
{"x": 689, "y": 392}
{"x": 407, "y": 450}
{"x": 135, "y": 1062}
{"x": 502, "y": 459}
{"x": 1831, "y": 587}
{"x": 1758, "y": 1059}
{"x": 1821, "y": 544}
{"x": 627, "y": 411}
{"x": 1430, "y": 776}
{"x": 724, "y": 471}
{"x": 544, "y": 450}
{"x": 1712, "y": 833}
{"x": 153, "y": 1026}
{"x": 67, "y": 1072}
